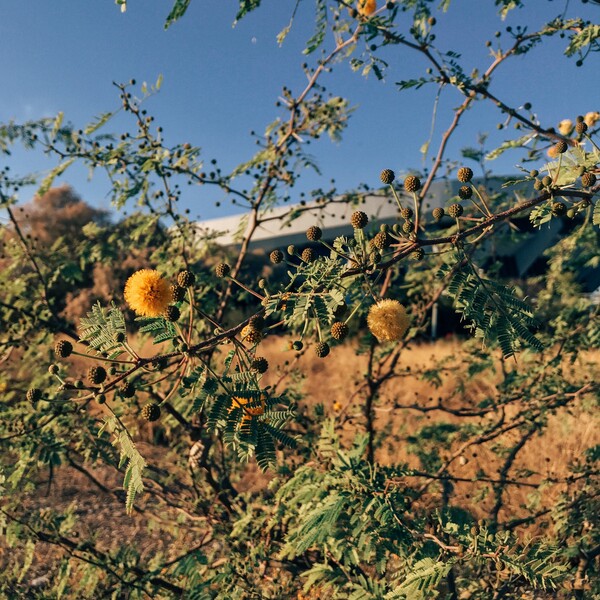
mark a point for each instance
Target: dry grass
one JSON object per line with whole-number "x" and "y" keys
{"x": 334, "y": 382}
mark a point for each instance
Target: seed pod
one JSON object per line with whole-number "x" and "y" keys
{"x": 251, "y": 335}
{"x": 339, "y": 330}
{"x": 63, "y": 348}
{"x": 412, "y": 183}
{"x": 150, "y": 412}
{"x": 465, "y": 192}
{"x": 359, "y": 219}
{"x": 464, "y": 174}
{"x": 322, "y": 349}
{"x": 96, "y": 374}
{"x": 276, "y": 256}
{"x": 382, "y": 240}
{"x": 172, "y": 313}
{"x": 437, "y": 213}
{"x": 222, "y": 270}
{"x": 406, "y": 213}
{"x": 186, "y": 279}
{"x": 455, "y": 210}
{"x": 178, "y": 293}
{"x": 314, "y": 233}
{"x": 33, "y": 395}
{"x": 259, "y": 364}
{"x": 588, "y": 179}
{"x": 387, "y": 176}
{"x": 308, "y": 255}
{"x": 127, "y": 390}
{"x": 561, "y": 147}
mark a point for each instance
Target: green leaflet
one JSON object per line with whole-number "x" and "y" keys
{"x": 492, "y": 310}
{"x": 100, "y": 328}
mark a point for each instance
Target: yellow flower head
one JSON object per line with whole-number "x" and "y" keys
{"x": 591, "y": 118}
{"x": 387, "y": 320}
{"x": 249, "y": 411}
{"x": 367, "y": 7}
{"x": 552, "y": 152}
{"x": 565, "y": 126}
{"x": 147, "y": 293}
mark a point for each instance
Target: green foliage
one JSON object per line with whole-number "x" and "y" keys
{"x": 101, "y": 328}
{"x": 492, "y": 311}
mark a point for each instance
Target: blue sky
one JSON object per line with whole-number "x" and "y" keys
{"x": 220, "y": 82}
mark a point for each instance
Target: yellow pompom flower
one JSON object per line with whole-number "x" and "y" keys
{"x": 591, "y": 118}
{"x": 565, "y": 126}
{"x": 367, "y": 7}
{"x": 387, "y": 320}
{"x": 147, "y": 293}
{"x": 552, "y": 152}
{"x": 249, "y": 411}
